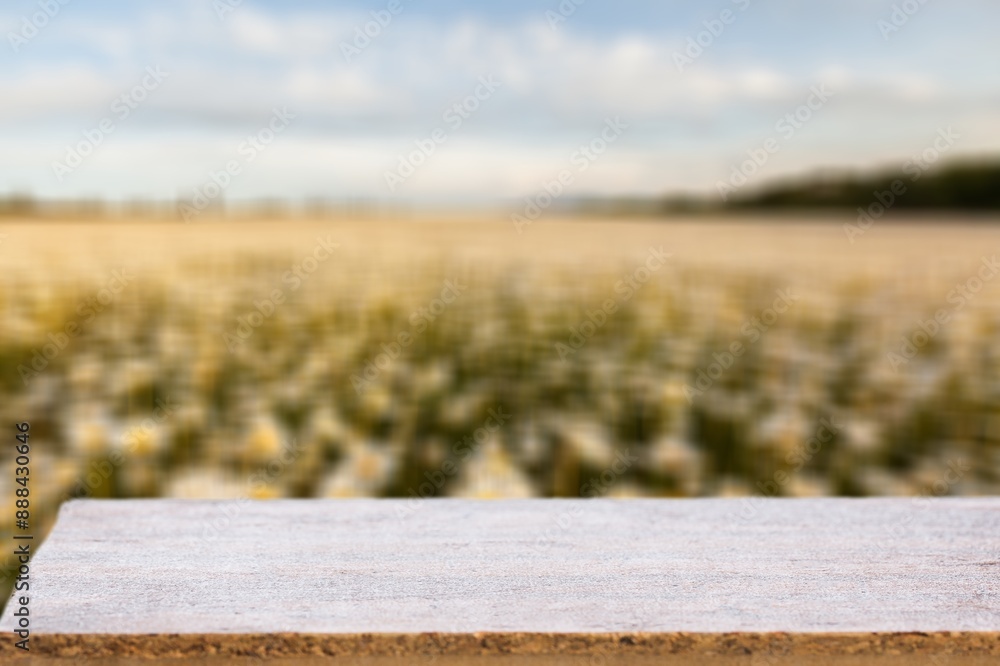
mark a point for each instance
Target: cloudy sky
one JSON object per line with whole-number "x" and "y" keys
{"x": 558, "y": 79}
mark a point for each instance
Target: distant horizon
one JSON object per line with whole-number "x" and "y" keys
{"x": 567, "y": 203}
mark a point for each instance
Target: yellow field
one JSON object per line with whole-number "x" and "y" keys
{"x": 428, "y": 358}
{"x": 461, "y": 358}
{"x": 755, "y": 243}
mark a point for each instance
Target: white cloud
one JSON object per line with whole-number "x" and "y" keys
{"x": 354, "y": 117}
{"x": 254, "y": 31}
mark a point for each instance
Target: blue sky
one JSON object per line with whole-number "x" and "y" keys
{"x": 558, "y": 84}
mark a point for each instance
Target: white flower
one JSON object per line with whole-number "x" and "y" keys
{"x": 490, "y": 474}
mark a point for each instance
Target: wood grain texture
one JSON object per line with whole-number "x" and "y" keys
{"x": 388, "y": 577}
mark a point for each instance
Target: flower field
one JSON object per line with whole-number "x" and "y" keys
{"x": 446, "y": 359}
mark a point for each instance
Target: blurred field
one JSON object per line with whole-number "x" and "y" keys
{"x": 159, "y": 394}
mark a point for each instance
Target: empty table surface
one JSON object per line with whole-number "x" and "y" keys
{"x": 535, "y": 576}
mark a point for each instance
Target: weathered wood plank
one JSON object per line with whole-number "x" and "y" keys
{"x": 772, "y": 578}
